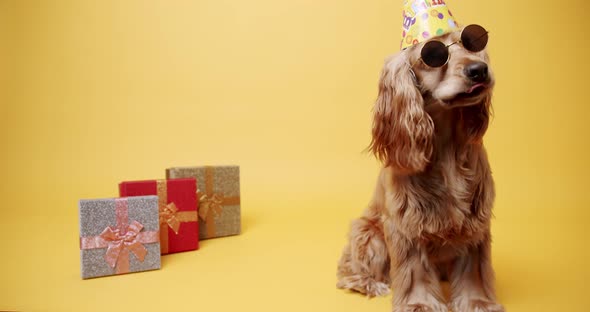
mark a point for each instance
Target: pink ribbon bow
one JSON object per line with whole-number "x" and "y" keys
{"x": 117, "y": 242}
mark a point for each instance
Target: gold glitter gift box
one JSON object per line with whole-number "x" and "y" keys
{"x": 218, "y": 193}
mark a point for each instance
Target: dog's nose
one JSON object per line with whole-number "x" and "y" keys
{"x": 477, "y": 71}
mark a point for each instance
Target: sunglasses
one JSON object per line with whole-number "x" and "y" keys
{"x": 435, "y": 53}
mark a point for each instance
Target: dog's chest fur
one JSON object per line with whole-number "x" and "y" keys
{"x": 439, "y": 207}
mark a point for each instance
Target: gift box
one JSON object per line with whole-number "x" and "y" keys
{"x": 218, "y": 194}
{"x": 177, "y": 204}
{"x": 119, "y": 235}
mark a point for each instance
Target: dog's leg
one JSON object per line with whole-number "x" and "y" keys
{"x": 364, "y": 264}
{"x": 472, "y": 281}
{"x": 415, "y": 280}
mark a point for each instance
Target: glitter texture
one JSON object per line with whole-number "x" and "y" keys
{"x": 226, "y": 182}
{"x": 98, "y": 214}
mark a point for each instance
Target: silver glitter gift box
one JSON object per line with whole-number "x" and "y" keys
{"x": 119, "y": 235}
{"x": 218, "y": 193}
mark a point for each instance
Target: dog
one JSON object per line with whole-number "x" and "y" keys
{"x": 429, "y": 218}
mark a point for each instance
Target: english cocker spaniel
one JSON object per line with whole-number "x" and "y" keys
{"x": 429, "y": 219}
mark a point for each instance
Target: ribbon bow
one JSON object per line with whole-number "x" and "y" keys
{"x": 210, "y": 204}
{"x": 168, "y": 216}
{"x": 118, "y": 241}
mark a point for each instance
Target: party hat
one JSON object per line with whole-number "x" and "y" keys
{"x": 425, "y": 19}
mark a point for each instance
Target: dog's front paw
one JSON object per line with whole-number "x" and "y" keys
{"x": 377, "y": 289}
{"x": 422, "y": 307}
{"x": 476, "y": 305}
{"x": 367, "y": 286}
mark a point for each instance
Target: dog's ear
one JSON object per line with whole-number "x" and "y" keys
{"x": 402, "y": 131}
{"x": 474, "y": 121}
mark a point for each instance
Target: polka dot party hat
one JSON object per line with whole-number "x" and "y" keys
{"x": 425, "y": 19}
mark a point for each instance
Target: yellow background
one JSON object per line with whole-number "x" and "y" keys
{"x": 96, "y": 92}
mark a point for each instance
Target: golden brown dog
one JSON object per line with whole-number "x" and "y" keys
{"x": 429, "y": 219}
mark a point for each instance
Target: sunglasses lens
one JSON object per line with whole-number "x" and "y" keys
{"x": 435, "y": 54}
{"x": 474, "y": 38}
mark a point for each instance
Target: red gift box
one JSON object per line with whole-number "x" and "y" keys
{"x": 177, "y": 203}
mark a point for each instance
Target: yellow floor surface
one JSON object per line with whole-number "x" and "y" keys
{"x": 96, "y": 92}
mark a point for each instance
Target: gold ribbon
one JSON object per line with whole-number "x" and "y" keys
{"x": 121, "y": 240}
{"x": 211, "y": 203}
{"x": 170, "y": 216}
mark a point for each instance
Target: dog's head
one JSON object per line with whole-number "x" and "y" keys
{"x": 403, "y": 131}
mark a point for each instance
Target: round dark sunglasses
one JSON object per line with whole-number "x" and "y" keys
{"x": 435, "y": 53}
